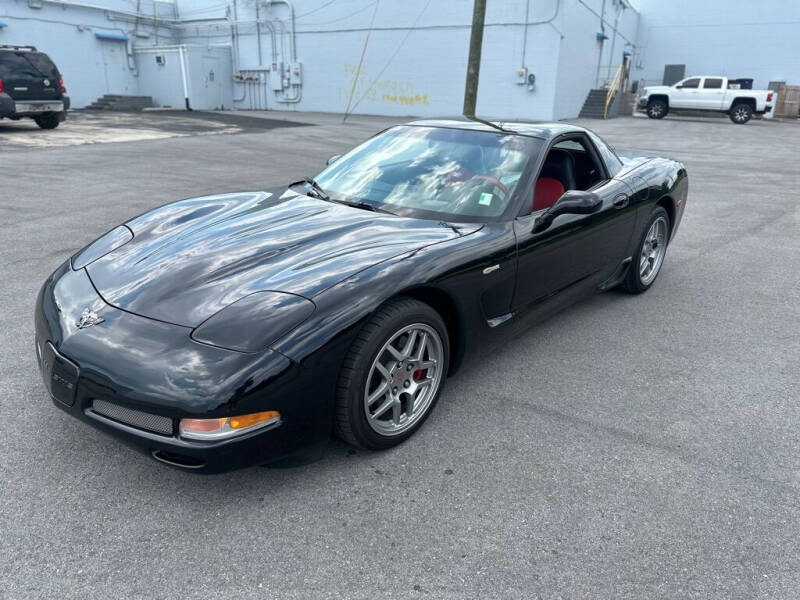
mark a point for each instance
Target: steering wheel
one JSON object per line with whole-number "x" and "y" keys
{"x": 492, "y": 180}
{"x": 459, "y": 175}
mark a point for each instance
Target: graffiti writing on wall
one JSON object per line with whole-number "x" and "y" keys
{"x": 382, "y": 90}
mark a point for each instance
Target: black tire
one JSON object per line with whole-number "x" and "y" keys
{"x": 350, "y": 422}
{"x": 633, "y": 282}
{"x": 741, "y": 113}
{"x": 50, "y": 121}
{"x": 657, "y": 109}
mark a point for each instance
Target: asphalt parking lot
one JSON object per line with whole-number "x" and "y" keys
{"x": 630, "y": 447}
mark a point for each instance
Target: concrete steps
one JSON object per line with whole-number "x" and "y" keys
{"x": 121, "y": 102}
{"x": 595, "y": 103}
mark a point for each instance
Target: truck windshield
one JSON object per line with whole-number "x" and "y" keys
{"x": 433, "y": 172}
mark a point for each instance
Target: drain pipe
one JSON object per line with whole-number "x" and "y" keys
{"x": 620, "y": 10}
{"x": 234, "y": 24}
{"x": 182, "y": 54}
{"x": 602, "y": 37}
{"x": 258, "y": 34}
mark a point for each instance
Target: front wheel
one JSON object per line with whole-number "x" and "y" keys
{"x": 741, "y": 113}
{"x": 50, "y": 121}
{"x": 649, "y": 257}
{"x": 657, "y": 109}
{"x": 392, "y": 375}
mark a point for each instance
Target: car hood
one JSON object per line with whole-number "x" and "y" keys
{"x": 188, "y": 260}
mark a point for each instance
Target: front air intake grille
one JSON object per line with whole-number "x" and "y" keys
{"x": 134, "y": 418}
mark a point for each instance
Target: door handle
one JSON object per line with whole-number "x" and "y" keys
{"x": 621, "y": 201}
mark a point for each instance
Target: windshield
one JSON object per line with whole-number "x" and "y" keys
{"x": 432, "y": 172}
{"x": 33, "y": 64}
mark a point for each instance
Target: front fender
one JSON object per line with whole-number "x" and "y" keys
{"x": 453, "y": 269}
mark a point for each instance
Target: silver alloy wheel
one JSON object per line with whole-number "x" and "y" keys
{"x": 740, "y": 114}
{"x": 656, "y": 110}
{"x": 404, "y": 379}
{"x": 653, "y": 250}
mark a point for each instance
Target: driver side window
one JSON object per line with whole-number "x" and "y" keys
{"x": 569, "y": 165}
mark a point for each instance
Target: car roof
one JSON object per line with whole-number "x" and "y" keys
{"x": 526, "y": 128}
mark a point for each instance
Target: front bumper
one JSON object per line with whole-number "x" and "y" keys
{"x": 154, "y": 368}
{"x": 641, "y": 102}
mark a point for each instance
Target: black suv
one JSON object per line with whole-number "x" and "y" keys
{"x": 31, "y": 86}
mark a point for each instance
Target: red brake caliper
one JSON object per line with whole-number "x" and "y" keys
{"x": 418, "y": 375}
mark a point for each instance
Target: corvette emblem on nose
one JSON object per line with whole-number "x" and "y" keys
{"x": 89, "y": 318}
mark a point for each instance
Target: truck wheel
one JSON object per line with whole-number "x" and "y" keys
{"x": 657, "y": 109}
{"x": 741, "y": 113}
{"x": 50, "y": 121}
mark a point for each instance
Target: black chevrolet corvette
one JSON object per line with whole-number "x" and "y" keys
{"x": 219, "y": 332}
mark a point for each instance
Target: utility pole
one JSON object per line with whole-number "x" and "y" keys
{"x": 474, "y": 63}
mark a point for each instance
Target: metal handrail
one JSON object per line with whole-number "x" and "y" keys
{"x": 612, "y": 89}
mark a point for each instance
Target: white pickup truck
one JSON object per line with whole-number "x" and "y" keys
{"x": 705, "y": 93}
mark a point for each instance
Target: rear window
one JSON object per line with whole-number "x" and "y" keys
{"x": 33, "y": 64}
{"x": 712, "y": 84}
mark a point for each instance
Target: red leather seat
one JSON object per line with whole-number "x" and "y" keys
{"x": 546, "y": 192}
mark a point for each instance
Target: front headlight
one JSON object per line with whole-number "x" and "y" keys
{"x": 254, "y": 322}
{"x": 109, "y": 242}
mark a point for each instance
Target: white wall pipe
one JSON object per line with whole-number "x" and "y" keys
{"x": 294, "y": 31}
{"x": 182, "y": 53}
{"x": 115, "y": 11}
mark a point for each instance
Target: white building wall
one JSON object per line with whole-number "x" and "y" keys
{"x": 582, "y": 52}
{"x": 711, "y": 37}
{"x": 415, "y": 60}
{"x": 90, "y": 67}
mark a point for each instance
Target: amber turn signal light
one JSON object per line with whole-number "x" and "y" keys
{"x": 226, "y": 427}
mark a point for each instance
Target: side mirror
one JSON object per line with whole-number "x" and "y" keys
{"x": 333, "y": 159}
{"x": 573, "y": 202}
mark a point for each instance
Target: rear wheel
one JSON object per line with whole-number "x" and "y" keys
{"x": 49, "y": 121}
{"x": 650, "y": 253}
{"x": 657, "y": 109}
{"x": 392, "y": 375}
{"x": 741, "y": 113}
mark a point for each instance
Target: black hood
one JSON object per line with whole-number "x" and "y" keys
{"x": 190, "y": 259}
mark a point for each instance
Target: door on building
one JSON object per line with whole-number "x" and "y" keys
{"x": 115, "y": 67}
{"x": 673, "y": 74}
{"x": 212, "y": 88}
